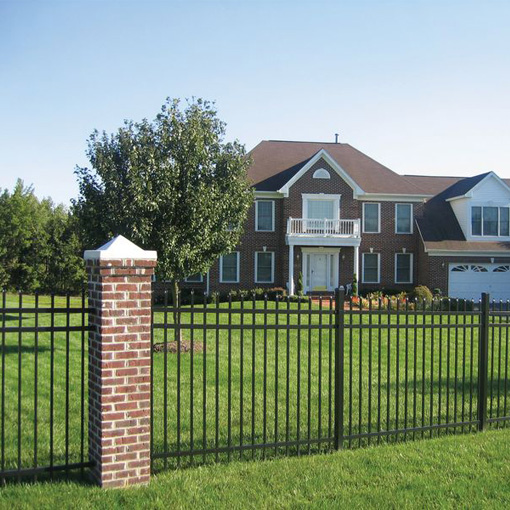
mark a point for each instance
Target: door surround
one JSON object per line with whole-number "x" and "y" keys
{"x": 332, "y": 268}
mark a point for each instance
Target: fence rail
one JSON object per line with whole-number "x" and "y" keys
{"x": 43, "y": 386}
{"x": 258, "y": 378}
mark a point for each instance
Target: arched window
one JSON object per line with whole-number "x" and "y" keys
{"x": 321, "y": 173}
{"x": 479, "y": 269}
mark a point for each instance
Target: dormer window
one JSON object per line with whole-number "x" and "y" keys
{"x": 321, "y": 173}
{"x": 490, "y": 221}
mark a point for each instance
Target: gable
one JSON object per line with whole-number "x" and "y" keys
{"x": 492, "y": 188}
{"x": 320, "y": 161}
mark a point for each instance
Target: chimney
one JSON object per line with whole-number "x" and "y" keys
{"x": 336, "y": 137}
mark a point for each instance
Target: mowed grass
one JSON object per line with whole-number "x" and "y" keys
{"x": 468, "y": 471}
{"x": 262, "y": 385}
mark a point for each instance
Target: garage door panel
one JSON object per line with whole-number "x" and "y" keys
{"x": 469, "y": 281}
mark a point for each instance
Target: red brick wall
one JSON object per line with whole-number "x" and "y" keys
{"x": 119, "y": 370}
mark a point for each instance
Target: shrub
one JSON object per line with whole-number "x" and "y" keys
{"x": 422, "y": 293}
{"x": 276, "y": 293}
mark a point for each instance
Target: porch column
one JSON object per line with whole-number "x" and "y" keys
{"x": 356, "y": 262}
{"x": 291, "y": 269}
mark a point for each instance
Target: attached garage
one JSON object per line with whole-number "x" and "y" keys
{"x": 468, "y": 281}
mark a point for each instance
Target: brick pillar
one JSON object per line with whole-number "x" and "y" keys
{"x": 120, "y": 275}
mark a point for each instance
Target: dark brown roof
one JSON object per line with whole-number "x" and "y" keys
{"x": 481, "y": 246}
{"x": 432, "y": 185}
{"x": 276, "y": 162}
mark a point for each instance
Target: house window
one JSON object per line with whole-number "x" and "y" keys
{"x": 321, "y": 173}
{"x": 403, "y": 218}
{"x": 318, "y": 206}
{"x": 195, "y": 278}
{"x": 229, "y": 268}
{"x": 403, "y": 268}
{"x": 264, "y": 267}
{"x": 264, "y": 212}
{"x": 370, "y": 267}
{"x": 320, "y": 209}
{"x": 371, "y": 218}
{"x": 490, "y": 221}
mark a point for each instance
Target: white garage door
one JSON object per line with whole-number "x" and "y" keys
{"x": 470, "y": 280}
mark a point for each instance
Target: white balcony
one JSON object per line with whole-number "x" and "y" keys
{"x": 326, "y": 232}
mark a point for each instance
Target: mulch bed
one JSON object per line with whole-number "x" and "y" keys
{"x": 173, "y": 348}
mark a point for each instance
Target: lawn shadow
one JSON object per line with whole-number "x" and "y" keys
{"x": 25, "y": 349}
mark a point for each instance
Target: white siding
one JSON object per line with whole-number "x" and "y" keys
{"x": 489, "y": 192}
{"x": 462, "y": 209}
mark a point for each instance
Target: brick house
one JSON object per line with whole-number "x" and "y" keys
{"x": 328, "y": 211}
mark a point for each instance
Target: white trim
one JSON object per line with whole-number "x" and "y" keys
{"x": 332, "y": 163}
{"x": 238, "y": 271}
{"x": 194, "y": 281}
{"x": 461, "y": 253}
{"x": 363, "y": 267}
{"x": 321, "y": 196}
{"x": 390, "y": 197}
{"x": 411, "y": 219}
{"x": 322, "y": 241}
{"x": 267, "y": 194}
{"x": 320, "y": 250}
{"x": 411, "y": 267}
{"x": 378, "y": 218}
{"x": 257, "y": 202}
{"x": 321, "y": 173}
{"x": 256, "y": 266}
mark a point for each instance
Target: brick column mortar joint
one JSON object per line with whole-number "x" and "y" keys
{"x": 116, "y": 271}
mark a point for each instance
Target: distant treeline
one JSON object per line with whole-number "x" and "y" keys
{"x": 40, "y": 247}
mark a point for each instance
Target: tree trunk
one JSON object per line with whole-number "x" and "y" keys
{"x": 174, "y": 289}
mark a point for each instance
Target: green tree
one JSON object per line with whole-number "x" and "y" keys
{"x": 39, "y": 245}
{"x": 171, "y": 185}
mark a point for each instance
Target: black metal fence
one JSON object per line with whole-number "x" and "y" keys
{"x": 254, "y": 378}
{"x": 43, "y": 387}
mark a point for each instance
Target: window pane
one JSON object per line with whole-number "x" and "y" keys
{"x": 264, "y": 267}
{"x": 320, "y": 209}
{"x": 403, "y": 218}
{"x": 195, "y": 278}
{"x": 476, "y": 221}
{"x": 371, "y": 218}
{"x": 403, "y": 268}
{"x": 265, "y": 215}
{"x": 490, "y": 221}
{"x": 504, "y": 221}
{"x": 229, "y": 267}
{"x": 370, "y": 267}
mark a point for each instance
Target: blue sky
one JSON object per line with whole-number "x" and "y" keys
{"x": 421, "y": 86}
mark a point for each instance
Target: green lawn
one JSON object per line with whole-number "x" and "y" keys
{"x": 469, "y": 471}
{"x": 385, "y": 389}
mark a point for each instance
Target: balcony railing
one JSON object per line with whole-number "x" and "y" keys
{"x": 325, "y": 227}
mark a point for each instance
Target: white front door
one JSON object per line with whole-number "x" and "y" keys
{"x": 318, "y": 271}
